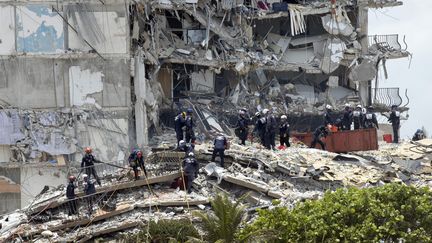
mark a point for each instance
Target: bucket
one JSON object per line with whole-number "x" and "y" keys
{"x": 388, "y": 138}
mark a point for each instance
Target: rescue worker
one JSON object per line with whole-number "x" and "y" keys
{"x": 220, "y": 144}
{"x": 347, "y": 118}
{"x": 190, "y": 167}
{"x": 394, "y": 119}
{"x": 418, "y": 135}
{"x": 328, "y": 116}
{"x": 242, "y": 127}
{"x": 284, "y": 132}
{"x": 186, "y": 147}
{"x": 179, "y": 124}
{"x": 358, "y": 117}
{"x": 70, "y": 194}
{"x": 88, "y": 162}
{"x": 370, "y": 120}
{"x": 270, "y": 131}
{"x": 259, "y": 128}
{"x": 89, "y": 190}
{"x": 338, "y": 124}
{"x": 189, "y": 125}
{"x": 136, "y": 160}
{"x": 319, "y": 133}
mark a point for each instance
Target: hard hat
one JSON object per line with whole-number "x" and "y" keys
{"x": 394, "y": 106}
{"x": 189, "y": 111}
{"x": 72, "y": 178}
{"x": 265, "y": 111}
{"x": 84, "y": 176}
{"x": 257, "y": 114}
{"x": 370, "y": 107}
{"x": 242, "y": 112}
{"x": 328, "y": 107}
{"x": 347, "y": 105}
{"x": 283, "y": 117}
{"x": 359, "y": 106}
{"x": 183, "y": 114}
{"x": 191, "y": 154}
{"x": 87, "y": 150}
{"x": 419, "y": 130}
{"x": 182, "y": 142}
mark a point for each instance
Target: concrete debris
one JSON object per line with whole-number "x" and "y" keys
{"x": 292, "y": 175}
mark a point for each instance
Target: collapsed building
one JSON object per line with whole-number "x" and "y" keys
{"x": 109, "y": 75}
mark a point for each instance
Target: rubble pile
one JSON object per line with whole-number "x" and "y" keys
{"x": 291, "y": 175}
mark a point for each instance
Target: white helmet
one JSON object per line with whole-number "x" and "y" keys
{"x": 257, "y": 113}
{"x": 359, "y": 106}
{"x": 265, "y": 111}
{"x": 182, "y": 142}
{"x": 328, "y": 107}
{"x": 191, "y": 154}
{"x": 84, "y": 176}
{"x": 283, "y": 117}
{"x": 347, "y": 105}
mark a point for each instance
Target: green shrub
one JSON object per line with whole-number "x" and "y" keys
{"x": 165, "y": 231}
{"x": 223, "y": 223}
{"x": 386, "y": 213}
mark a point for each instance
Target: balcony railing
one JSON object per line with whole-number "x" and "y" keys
{"x": 385, "y": 43}
{"x": 386, "y": 97}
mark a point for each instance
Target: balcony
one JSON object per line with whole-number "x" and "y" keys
{"x": 386, "y": 97}
{"x": 388, "y": 45}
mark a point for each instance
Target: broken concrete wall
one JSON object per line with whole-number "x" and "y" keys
{"x": 35, "y": 178}
{"x": 7, "y": 30}
{"x": 10, "y": 190}
{"x": 104, "y": 27}
{"x": 54, "y": 83}
{"x": 40, "y": 29}
{"x": 20, "y": 185}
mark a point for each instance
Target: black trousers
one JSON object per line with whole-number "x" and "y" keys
{"x": 179, "y": 136}
{"x": 395, "y": 134}
{"x": 317, "y": 140}
{"x": 89, "y": 200}
{"x": 273, "y": 139}
{"x": 284, "y": 141}
{"x": 243, "y": 136}
{"x": 135, "y": 169}
{"x": 190, "y": 179}
{"x": 92, "y": 171}
{"x": 262, "y": 138}
{"x": 72, "y": 204}
{"x": 221, "y": 153}
{"x": 190, "y": 136}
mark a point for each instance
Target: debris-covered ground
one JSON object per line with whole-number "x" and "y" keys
{"x": 294, "y": 174}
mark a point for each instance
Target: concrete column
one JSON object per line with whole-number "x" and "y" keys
{"x": 362, "y": 20}
{"x": 141, "y": 122}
